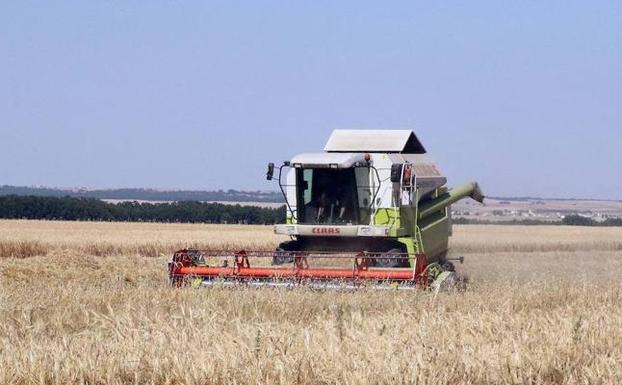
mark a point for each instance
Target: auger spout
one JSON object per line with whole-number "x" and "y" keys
{"x": 452, "y": 196}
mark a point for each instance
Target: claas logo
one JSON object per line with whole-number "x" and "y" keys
{"x": 326, "y": 230}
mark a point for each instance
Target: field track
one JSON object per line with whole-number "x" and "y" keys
{"x": 88, "y": 303}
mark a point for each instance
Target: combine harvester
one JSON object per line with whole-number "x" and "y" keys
{"x": 371, "y": 210}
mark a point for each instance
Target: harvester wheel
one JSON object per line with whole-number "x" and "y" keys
{"x": 282, "y": 256}
{"x": 448, "y": 266}
{"x": 449, "y": 280}
{"x": 392, "y": 258}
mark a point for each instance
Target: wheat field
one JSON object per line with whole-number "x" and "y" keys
{"x": 88, "y": 303}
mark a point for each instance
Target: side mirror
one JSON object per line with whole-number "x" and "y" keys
{"x": 305, "y": 185}
{"x": 270, "y": 173}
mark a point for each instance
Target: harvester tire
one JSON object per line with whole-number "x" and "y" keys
{"x": 391, "y": 259}
{"x": 448, "y": 266}
{"x": 282, "y": 256}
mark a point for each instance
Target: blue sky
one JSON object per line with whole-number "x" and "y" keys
{"x": 523, "y": 96}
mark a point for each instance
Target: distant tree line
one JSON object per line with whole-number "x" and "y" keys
{"x": 91, "y": 209}
{"x": 569, "y": 220}
{"x": 521, "y": 222}
{"x": 578, "y": 220}
{"x": 149, "y": 194}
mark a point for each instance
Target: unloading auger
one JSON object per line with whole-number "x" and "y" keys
{"x": 371, "y": 210}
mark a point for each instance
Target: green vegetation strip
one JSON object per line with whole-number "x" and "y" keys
{"x": 91, "y": 209}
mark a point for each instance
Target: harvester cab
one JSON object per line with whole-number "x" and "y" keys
{"x": 374, "y": 198}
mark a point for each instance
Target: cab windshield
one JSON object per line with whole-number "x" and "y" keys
{"x": 333, "y": 196}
